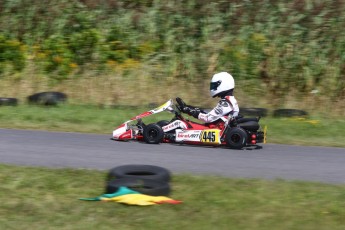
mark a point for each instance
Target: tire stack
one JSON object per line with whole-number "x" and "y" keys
{"x": 7, "y": 101}
{"x": 254, "y": 112}
{"x": 146, "y": 179}
{"x": 42, "y": 98}
{"x": 47, "y": 98}
{"x": 289, "y": 113}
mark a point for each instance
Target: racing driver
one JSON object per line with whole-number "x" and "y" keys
{"x": 222, "y": 85}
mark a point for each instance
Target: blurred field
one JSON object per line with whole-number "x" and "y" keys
{"x": 282, "y": 54}
{"x": 137, "y": 90}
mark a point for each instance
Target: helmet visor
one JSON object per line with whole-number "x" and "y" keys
{"x": 214, "y": 85}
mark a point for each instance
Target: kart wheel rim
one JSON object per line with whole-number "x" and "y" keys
{"x": 153, "y": 133}
{"x": 235, "y": 138}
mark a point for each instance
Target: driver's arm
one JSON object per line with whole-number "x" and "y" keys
{"x": 223, "y": 108}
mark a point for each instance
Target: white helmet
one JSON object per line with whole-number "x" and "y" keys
{"x": 221, "y": 83}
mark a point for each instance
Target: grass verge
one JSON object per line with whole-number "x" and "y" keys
{"x": 91, "y": 119}
{"x": 41, "y": 198}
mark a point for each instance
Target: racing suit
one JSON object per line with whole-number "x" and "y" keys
{"x": 226, "y": 106}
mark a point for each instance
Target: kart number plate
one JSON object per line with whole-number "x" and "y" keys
{"x": 210, "y": 136}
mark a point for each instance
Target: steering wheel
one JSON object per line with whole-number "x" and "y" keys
{"x": 180, "y": 103}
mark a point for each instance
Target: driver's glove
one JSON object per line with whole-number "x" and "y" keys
{"x": 191, "y": 111}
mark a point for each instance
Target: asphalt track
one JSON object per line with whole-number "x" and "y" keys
{"x": 92, "y": 151}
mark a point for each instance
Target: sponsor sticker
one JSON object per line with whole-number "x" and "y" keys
{"x": 174, "y": 125}
{"x": 188, "y": 135}
{"x": 166, "y": 104}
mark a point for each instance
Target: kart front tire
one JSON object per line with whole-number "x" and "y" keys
{"x": 153, "y": 134}
{"x": 236, "y": 138}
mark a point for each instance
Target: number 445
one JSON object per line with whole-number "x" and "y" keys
{"x": 209, "y": 136}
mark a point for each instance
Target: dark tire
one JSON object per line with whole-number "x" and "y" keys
{"x": 260, "y": 112}
{"x": 236, "y": 138}
{"x": 144, "y": 186}
{"x": 153, "y": 134}
{"x": 163, "y": 123}
{"x": 47, "y": 98}
{"x": 139, "y": 171}
{"x": 289, "y": 113}
{"x": 8, "y": 101}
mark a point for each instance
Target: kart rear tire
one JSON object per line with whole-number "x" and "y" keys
{"x": 236, "y": 138}
{"x": 153, "y": 134}
{"x": 143, "y": 186}
{"x": 151, "y": 172}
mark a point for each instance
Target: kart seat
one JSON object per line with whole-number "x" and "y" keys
{"x": 250, "y": 125}
{"x": 245, "y": 119}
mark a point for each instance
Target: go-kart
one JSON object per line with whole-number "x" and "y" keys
{"x": 227, "y": 131}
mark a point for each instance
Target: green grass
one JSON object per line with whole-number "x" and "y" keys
{"x": 73, "y": 118}
{"x": 92, "y": 119}
{"x": 309, "y": 131}
{"x": 40, "y": 198}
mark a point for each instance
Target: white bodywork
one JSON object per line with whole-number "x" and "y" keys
{"x": 122, "y": 129}
{"x": 174, "y": 125}
{"x": 119, "y": 131}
